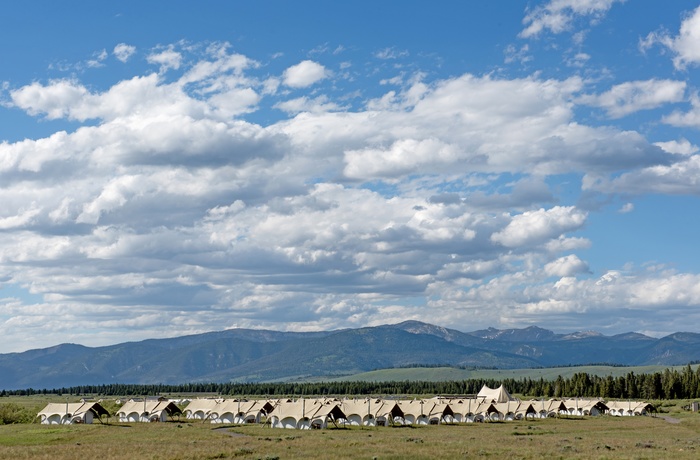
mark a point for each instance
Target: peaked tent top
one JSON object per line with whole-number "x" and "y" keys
{"x": 497, "y": 395}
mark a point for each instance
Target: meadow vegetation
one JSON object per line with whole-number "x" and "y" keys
{"x": 673, "y": 432}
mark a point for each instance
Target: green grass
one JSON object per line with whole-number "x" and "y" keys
{"x": 568, "y": 437}
{"x": 595, "y": 437}
{"x": 435, "y": 374}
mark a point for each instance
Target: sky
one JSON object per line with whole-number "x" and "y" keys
{"x": 318, "y": 165}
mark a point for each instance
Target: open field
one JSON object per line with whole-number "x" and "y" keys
{"x": 435, "y": 374}
{"x": 567, "y": 437}
{"x": 592, "y": 437}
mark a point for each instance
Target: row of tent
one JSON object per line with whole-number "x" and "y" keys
{"x": 308, "y": 413}
{"x": 146, "y": 410}
{"x": 304, "y": 413}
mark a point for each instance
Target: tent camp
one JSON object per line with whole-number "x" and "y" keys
{"x": 68, "y": 413}
{"x": 148, "y": 410}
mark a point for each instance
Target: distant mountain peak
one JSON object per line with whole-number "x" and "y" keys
{"x": 632, "y": 336}
{"x": 582, "y": 335}
{"x": 531, "y": 333}
{"x": 418, "y": 327}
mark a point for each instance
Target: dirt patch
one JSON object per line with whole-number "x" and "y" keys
{"x": 227, "y": 431}
{"x": 670, "y": 419}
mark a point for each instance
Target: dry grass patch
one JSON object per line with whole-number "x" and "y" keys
{"x": 599, "y": 437}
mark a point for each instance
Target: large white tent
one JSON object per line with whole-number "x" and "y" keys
{"x": 147, "y": 410}
{"x": 200, "y": 408}
{"x": 363, "y": 412}
{"x": 306, "y": 413}
{"x": 495, "y": 395}
{"x": 240, "y": 411}
{"x": 69, "y": 413}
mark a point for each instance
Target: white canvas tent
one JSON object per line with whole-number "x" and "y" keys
{"x": 549, "y": 407}
{"x": 515, "y": 410}
{"x": 414, "y": 412}
{"x": 69, "y": 413}
{"x": 305, "y": 414}
{"x": 495, "y": 395}
{"x": 469, "y": 410}
{"x": 439, "y": 411}
{"x": 580, "y": 406}
{"x": 363, "y": 412}
{"x": 147, "y": 410}
{"x": 628, "y": 408}
{"x": 239, "y": 412}
{"x": 200, "y": 408}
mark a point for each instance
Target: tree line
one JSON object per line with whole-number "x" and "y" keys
{"x": 669, "y": 384}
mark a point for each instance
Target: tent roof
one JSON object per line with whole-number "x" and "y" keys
{"x": 549, "y": 405}
{"x": 150, "y": 406}
{"x": 469, "y": 406}
{"x": 203, "y": 404}
{"x": 236, "y": 406}
{"x": 584, "y": 404}
{"x": 415, "y": 407}
{"x": 498, "y": 395}
{"x": 73, "y": 409}
{"x": 309, "y": 408}
{"x": 438, "y": 408}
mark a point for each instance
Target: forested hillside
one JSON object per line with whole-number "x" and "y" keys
{"x": 669, "y": 384}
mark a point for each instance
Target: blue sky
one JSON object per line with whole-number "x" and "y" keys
{"x": 169, "y": 170}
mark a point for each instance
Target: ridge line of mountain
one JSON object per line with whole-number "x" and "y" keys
{"x": 252, "y": 355}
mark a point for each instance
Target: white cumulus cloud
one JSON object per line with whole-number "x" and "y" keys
{"x": 166, "y": 59}
{"x": 557, "y": 15}
{"x": 633, "y": 96}
{"x": 304, "y": 74}
{"x": 535, "y": 227}
{"x": 123, "y": 52}
{"x": 685, "y": 46}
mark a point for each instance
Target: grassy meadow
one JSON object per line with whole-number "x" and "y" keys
{"x": 567, "y": 437}
{"x": 435, "y": 374}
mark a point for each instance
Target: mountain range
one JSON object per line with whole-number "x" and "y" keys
{"x": 246, "y": 355}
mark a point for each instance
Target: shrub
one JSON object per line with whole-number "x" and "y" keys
{"x": 14, "y": 413}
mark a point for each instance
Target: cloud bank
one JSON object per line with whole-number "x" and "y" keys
{"x": 209, "y": 191}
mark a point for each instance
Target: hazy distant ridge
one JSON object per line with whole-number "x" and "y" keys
{"x": 260, "y": 355}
